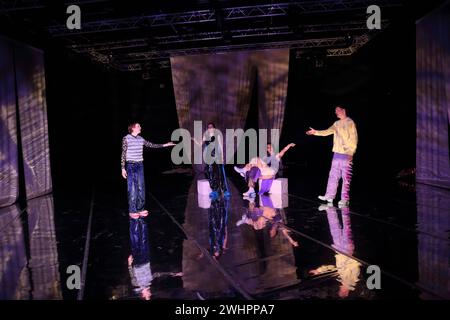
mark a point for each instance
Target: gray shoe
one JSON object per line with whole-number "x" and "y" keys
{"x": 343, "y": 203}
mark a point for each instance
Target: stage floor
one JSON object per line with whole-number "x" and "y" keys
{"x": 293, "y": 248}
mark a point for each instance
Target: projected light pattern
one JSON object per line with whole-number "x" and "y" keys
{"x": 33, "y": 120}
{"x": 433, "y": 98}
{"x": 13, "y": 255}
{"x": 433, "y": 251}
{"x": 218, "y": 88}
{"x": 9, "y": 173}
{"x": 22, "y": 90}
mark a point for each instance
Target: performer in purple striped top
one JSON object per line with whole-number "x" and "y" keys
{"x": 132, "y": 163}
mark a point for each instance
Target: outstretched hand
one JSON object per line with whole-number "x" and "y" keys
{"x": 311, "y": 131}
{"x": 195, "y": 141}
{"x": 314, "y": 272}
{"x": 291, "y": 145}
{"x": 169, "y": 144}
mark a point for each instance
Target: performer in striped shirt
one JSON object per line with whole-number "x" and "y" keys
{"x": 132, "y": 163}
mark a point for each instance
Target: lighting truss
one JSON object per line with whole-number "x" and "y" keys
{"x": 203, "y": 16}
{"x": 358, "y": 43}
{"x": 216, "y": 35}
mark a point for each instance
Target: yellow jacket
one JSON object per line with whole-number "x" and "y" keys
{"x": 345, "y": 136}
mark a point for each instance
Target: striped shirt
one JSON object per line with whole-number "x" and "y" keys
{"x": 133, "y": 147}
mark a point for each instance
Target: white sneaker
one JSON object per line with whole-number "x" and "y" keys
{"x": 325, "y": 207}
{"x": 249, "y": 193}
{"x": 324, "y": 198}
{"x": 242, "y": 221}
{"x": 241, "y": 171}
{"x": 343, "y": 203}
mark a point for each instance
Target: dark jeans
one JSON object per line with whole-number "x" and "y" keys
{"x": 140, "y": 249}
{"x": 253, "y": 175}
{"x": 214, "y": 175}
{"x": 136, "y": 186}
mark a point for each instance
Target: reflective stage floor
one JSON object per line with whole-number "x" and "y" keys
{"x": 190, "y": 247}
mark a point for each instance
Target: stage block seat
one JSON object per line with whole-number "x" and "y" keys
{"x": 204, "y": 201}
{"x": 203, "y": 187}
{"x": 279, "y": 186}
{"x": 277, "y": 201}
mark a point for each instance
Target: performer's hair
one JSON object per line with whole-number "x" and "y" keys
{"x": 211, "y": 123}
{"x": 345, "y": 107}
{"x": 131, "y": 126}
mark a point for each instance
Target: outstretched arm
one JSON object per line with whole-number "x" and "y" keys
{"x": 322, "y": 133}
{"x": 282, "y": 152}
{"x": 196, "y": 142}
{"x": 149, "y": 144}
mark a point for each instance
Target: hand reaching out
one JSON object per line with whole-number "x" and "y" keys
{"x": 314, "y": 272}
{"x": 195, "y": 141}
{"x": 130, "y": 260}
{"x": 311, "y": 131}
{"x": 169, "y": 144}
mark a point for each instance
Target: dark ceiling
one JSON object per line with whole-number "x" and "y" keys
{"x": 133, "y": 35}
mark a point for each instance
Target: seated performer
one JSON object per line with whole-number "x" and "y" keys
{"x": 265, "y": 169}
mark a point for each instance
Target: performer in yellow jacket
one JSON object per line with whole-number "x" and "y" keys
{"x": 344, "y": 147}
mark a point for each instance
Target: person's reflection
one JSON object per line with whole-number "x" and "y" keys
{"x": 139, "y": 260}
{"x": 348, "y": 269}
{"x": 218, "y": 232}
{"x": 266, "y": 216}
{"x": 276, "y": 222}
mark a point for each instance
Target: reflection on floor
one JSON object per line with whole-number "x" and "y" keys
{"x": 192, "y": 247}
{"x": 29, "y": 254}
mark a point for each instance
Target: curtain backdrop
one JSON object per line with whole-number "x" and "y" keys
{"x": 433, "y": 98}
{"x": 9, "y": 173}
{"x": 218, "y": 88}
{"x": 30, "y": 81}
{"x": 272, "y": 71}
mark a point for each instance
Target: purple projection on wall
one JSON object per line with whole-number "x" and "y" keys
{"x": 9, "y": 173}
{"x": 30, "y": 81}
{"x": 433, "y": 98}
{"x": 22, "y": 88}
